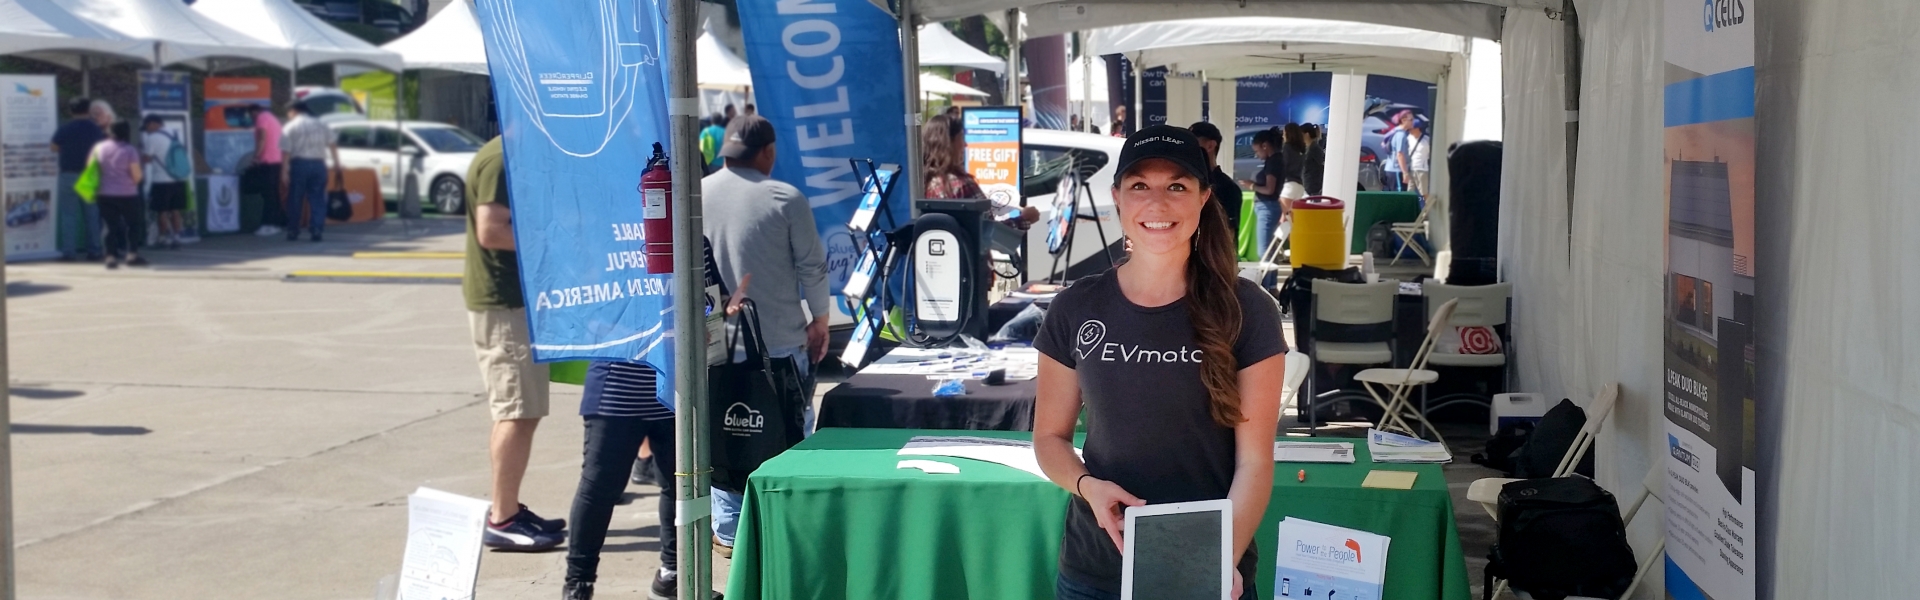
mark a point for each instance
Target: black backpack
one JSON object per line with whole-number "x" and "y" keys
{"x": 1560, "y": 537}
{"x": 1503, "y": 449}
{"x": 1549, "y": 443}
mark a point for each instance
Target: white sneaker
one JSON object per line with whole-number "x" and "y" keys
{"x": 267, "y": 231}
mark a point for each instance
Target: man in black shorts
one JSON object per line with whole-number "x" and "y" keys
{"x": 166, "y": 194}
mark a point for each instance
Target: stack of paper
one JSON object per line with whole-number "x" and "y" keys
{"x": 1395, "y": 448}
{"x": 1321, "y": 561}
{"x": 1313, "y": 452}
{"x": 1013, "y": 453}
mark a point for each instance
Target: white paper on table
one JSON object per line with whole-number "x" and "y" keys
{"x": 443, "y": 545}
{"x": 1313, "y": 452}
{"x": 1395, "y": 448}
{"x": 1013, "y": 453}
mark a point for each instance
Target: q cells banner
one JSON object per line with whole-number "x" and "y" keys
{"x": 1710, "y": 401}
{"x": 582, "y": 100}
{"x": 827, "y": 75}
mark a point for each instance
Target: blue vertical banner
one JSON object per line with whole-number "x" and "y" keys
{"x": 581, "y": 94}
{"x": 827, "y": 74}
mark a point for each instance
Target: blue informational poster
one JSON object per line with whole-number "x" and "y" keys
{"x": 581, "y": 95}
{"x": 827, "y": 74}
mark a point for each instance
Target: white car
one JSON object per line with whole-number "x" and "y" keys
{"x": 1044, "y": 153}
{"x": 436, "y": 156}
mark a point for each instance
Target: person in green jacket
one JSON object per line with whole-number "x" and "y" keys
{"x": 713, "y": 132}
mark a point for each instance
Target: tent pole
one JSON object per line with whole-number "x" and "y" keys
{"x": 409, "y": 201}
{"x": 1570, "y": 19}
{"x": 86, "y": 77}
{"x": 1012, "y": 36}
{"x": 1086, "y": 80}
{"x": 910, "y": 69}
{"x": 691, "y": 461}
{"x": 6, "y": 449}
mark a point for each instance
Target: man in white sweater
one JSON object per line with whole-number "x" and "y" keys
{"x": 765, "y": 227}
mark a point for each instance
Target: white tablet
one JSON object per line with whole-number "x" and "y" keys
{"x": 1180, "y": 551}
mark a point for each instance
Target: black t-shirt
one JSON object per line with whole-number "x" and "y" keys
{"x": 76, "y": 139}
{"x": 1149, "y": 428}
{"x": 1228, "y": 194}
{"x": 1274, "y": 165}
{"x": 1293, "y": 165}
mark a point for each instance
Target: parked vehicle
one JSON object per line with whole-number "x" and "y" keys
{"x": 435, "y": 155}
{"x": 1045, "y": 154}
{"x": 330, "y": 105}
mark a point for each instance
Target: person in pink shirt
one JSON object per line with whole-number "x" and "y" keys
{"x": 118, "y": 196}
{"x": 265, "y": 172}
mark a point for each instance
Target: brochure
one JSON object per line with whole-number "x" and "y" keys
{"x": 1324, "y": 562}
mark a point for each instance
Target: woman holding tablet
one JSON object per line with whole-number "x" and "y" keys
{"x": 1178, "y": 361}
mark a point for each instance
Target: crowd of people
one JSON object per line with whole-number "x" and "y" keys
{"x": 137, "y": 176}
{"x": 756, "y": 227}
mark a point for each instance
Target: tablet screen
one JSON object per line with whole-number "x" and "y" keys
{"x": 1177, "y": 556}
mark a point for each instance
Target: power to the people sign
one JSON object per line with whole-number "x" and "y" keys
{"x": 582, "y": 100}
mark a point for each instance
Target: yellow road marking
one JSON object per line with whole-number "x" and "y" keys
{"x": 409, "y": 255}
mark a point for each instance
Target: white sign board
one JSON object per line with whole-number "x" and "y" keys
{"x": 443, "y": 545}
{"x": 29, "y": 169}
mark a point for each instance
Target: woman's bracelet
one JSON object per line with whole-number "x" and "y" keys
{"x": 1076, "y": 484}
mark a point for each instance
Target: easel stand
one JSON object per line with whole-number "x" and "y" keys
{"x": 1079, "y": 192}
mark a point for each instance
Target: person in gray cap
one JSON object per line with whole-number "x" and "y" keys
{"x": 765, "y": 227}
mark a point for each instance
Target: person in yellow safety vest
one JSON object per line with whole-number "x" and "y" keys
{"x": 713, "y": 132}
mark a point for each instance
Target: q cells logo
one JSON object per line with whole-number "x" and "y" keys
{"x": 1718, "y": 14}
{"x": 1091, "y": 332}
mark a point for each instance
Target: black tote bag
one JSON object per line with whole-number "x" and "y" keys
{"x": 756, "y": 405}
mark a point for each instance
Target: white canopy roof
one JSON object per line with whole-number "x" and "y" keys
{"x": 185, "y": 37}
{"x": 1236, "y": 47}
{"x": 1476, "y": 18}
{"x": 282, "y": 24}
{"x": 935, "y": 84}
{"x": 449, "y": 41}
{"x": 940, "y": 48}
{"x": 43, "y": 30}
{"x": 718, "y": 66}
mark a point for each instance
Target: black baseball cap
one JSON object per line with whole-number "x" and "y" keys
{"x": 1165, "y": 142}
{"x": 746, "y": 135}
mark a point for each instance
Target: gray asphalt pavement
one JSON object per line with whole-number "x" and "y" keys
{"x": 207, "y": 429}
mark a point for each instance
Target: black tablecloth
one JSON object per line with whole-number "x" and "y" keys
{"x": 907, "y": 402}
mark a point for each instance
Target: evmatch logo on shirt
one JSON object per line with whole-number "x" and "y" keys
{"x": 1092, "y": 344}
{"x": 1091, "y": 332}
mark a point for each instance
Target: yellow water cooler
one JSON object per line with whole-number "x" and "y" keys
{"x": 1318, "y": 229}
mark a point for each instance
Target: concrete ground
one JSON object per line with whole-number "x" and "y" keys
{"x": 206, "y": 429}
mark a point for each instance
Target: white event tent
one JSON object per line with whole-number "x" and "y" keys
{"x": 181, "y": 36}
{"x": 450, "y": 41}
{"x": 940, "y": 48}
{"x": 935, "y": 84}
{"x": 285, "y": 25}
{"x": 48, "y": 31}
{"x": 717, "y": 66}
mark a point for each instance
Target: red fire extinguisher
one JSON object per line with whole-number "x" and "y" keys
{"x": 656, "y": 197}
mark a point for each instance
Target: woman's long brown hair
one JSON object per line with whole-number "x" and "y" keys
{"x": 1214, "y": 306}
{"x": 936, "y": 149}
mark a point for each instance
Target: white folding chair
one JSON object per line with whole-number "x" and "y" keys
{"x": 1486, "y": 492}
{"x": 1408, "y": 231}
{"x": 1298, "y": 365}
{"x": 1442, "y": 265}
{"x": 1269, "y": 256}
{"x": 1400, "y": 382}
{"x": 1350, "y": 305}
{"x": 1480, "y": 306}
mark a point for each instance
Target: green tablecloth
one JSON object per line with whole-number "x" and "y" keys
{"x": 1374, "y": 207}
{"x": 834, "y": 518}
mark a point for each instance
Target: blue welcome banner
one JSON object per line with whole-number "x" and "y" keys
{"x": 826, "y": 73}
{"x": 582, "y": 100}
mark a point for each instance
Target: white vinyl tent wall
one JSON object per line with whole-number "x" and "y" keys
{"x": 1838, "y": 299}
